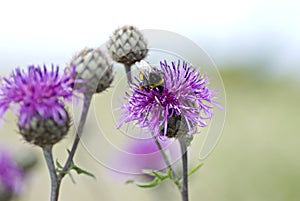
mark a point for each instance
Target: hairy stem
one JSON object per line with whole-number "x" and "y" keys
{"x": 54, "y": 179}
{"x": 184, "y": 190}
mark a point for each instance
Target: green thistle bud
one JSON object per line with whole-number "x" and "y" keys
{"x": 127, "y": 45}
{"x": 94, "y": 68}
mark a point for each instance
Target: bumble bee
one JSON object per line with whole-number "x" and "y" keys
{"x": 174, "y": 124}
{"x": 149, "y": 77}
{"x": 176, "y": 127}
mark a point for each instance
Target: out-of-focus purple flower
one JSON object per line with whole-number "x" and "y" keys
{"x": 11, "y": 175}
{"x": 37, "y": 92}
{"x": 184, "y": 97}
{"x": 146, "y": 154}
{"x": 143, "y": 154}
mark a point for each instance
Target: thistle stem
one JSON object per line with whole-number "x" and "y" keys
{"x": 184, "y": 190}
{"x": 57, "y": 178}
{"x": 54, "y": 179}
{"x": 128, "y": 73}
{"x": 86, "y": 105}
{"x": 165, "y": 157}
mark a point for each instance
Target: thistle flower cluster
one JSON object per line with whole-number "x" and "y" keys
{"x": 184, "y": 102}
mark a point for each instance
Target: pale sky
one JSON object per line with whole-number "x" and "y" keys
{"x": 36, "y": 31}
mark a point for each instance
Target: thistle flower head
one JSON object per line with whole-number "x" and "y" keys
{"x": 11, "y": 175}
{"x": 182, "y": 103}
{"x": 38, "y": 92}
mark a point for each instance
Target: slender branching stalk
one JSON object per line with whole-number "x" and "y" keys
{"x": 57, "y": 178}
{"x": 54, "y": 179}
{"x": 86, "y": 105}
{"x": 184, "y": 190}
{"x": 128, "y": 73}
{"x": 165, "y": 157}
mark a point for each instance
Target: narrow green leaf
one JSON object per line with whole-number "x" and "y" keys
{"x": 170, "y": 174}
{"x": 130, "y": 181}
{"x": 158, "y": 174}
{"x": 178, "y": 183}
{"x": 161, "y": 175}
{"x": 81, "y": 171}
{"x": 195, "y": 169}
{"x": 154, "y": 183}
{"x": 149, "y": 172}
{"x": 58, "y": 164}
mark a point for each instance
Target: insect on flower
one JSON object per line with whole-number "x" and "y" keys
{"x": 150, "y": 78}
{"x": 171, "y": 101}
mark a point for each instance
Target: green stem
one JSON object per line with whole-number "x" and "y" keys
{"x": 184, "y": 190}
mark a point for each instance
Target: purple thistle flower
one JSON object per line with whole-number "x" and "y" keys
{"x": 11, "y": 175}
{"x": 37, "y": 92}
{"x": 185, "y": 96}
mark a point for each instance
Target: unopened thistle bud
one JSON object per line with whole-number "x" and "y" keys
{"x": 127, "y": 45}
{"x": 94, "y": 68}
